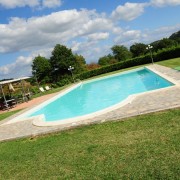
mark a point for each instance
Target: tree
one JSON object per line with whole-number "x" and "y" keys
{"x": 106, "y": 60}
{"x": 121, "y": 53}
{"x": 138, "y": 49}
{"x": 103, "y": 61}
{"x": 163, "y": 43}
{"x": 61, "y": 59}
{"x": 81, "y": 63}
{"x": 92, "y": 66}
{"x": 175, "y": 36}
{"x": 41, "y": 69}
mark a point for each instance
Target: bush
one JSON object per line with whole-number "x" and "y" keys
{"x": 63, "y": 82}
{"x": 34, "y": 90}
{"x": 54, "y": 85}
{"x": 169, "y": 53}
{"x": 164, "y": 54}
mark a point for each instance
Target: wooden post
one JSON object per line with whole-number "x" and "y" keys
{"x": 6, "y": 104}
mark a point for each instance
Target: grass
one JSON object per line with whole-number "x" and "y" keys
{"x": 143, "y": 147}
{"x": 114, "y": 72}
{"x": 53, "y": 90}
{"x": 172, "y": 63}
{"x": 7, "y": 114}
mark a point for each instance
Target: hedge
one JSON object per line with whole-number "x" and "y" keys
{"x": 164, "y": 54}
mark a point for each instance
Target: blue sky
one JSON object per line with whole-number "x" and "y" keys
{"x": 90, "y": 28}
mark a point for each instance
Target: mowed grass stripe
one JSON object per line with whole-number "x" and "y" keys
{"x": 142, "y": 147}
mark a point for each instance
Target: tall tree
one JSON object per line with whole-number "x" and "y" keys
{"x": 61, "y": 59}
{"x": 80, "y": 63}
{"x": 121, "y": 53}
{"x": 138, "y": 49}
{"x": 163, "y": 43}
{"x": 106, "y": 60}
{"x": 175, "y": 36}
{"x": 41, "y": 68}
{"x": 103, "y": 61}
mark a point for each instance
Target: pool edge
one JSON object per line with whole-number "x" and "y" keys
{"x": 40, "y": 121}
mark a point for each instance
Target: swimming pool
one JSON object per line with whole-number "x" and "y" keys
{"x": 98, "y": 95}
{"x": 102, "y": 93}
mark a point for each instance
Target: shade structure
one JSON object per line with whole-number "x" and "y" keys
{"x": 10, "y": 86}
{"x": 14, "y": 80}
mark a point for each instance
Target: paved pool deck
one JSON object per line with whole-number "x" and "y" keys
{"x": 163, "y": 99}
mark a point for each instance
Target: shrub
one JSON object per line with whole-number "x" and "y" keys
{"x": 54, "y": 85}
{"x": 169, "y": 53}
{"x": 34, "y": 90}
{"x": 63, "y": 82}
{"x": 164, "y": 54}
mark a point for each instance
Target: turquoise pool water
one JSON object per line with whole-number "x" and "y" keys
{"x": 100, "y": 94}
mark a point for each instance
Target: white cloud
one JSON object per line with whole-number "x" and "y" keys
{"x": 51, "y": 3}
{"x": 83, "y": 47}
{"x": 19, "y": 3}
{"x": 95, "y": 25}
{"x": 91, "y": 50}
{"x": 129, "y": 37}
{"x": 98, "y": 36}
{"x": 117, "y": 30}
{"x": 129, "y": 11}
{"x": 10, "y": 4}
{"x": 162, "y": 32}
{"x": 37, "y": 32}
{"x": 21, "y": 67}
{"x": 75, "y": 46}
{"x": 161, "y": 3}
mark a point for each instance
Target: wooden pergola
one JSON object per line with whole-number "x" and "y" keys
{"x": 9, "y": 82}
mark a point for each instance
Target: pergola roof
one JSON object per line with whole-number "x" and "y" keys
{"x": 8, "y": 82}
{"x": 13, "y": 80}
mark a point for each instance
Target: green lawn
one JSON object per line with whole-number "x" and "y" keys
{"x": 172, "y": 63}
{"x": 143, "y": 147}
{"x": 7, "y": 114}
{"x": 53, "y": 90}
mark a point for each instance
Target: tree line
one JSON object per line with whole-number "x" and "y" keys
{"x": 55, "y": 69}
{"x": 122, "y": 53}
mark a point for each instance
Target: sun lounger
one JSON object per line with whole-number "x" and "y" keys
{"x": 47, "y": 88}
{"x": 41, "y": 89}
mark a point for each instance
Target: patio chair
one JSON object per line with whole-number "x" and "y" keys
{"x": 41, "y": 89}
{"x": 47, "y": 88}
